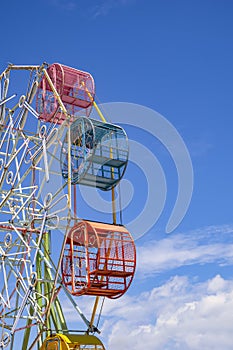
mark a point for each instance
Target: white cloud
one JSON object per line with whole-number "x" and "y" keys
{"x": 105, "y": 6}
{"x": 207, "y": 245}
{"x": 93, "y": 9}
{"x": 201, "y": 147}
{"x": 176, "y": 315}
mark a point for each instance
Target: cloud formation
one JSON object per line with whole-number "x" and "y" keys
{"x": 95, "y": 9}
{"x": 177, "y": 315}
{"x": 201, "y": 246}
{"x": 104, "y": 7}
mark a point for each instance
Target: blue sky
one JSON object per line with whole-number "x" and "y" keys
{"x": 174, "y": 57}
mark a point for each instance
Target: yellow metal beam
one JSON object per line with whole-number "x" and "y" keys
{"x": 113, "y": 198}
{"x": 69, "y": 169}
{"x": 55, "y": 92}
{"x": 15, "y": 67}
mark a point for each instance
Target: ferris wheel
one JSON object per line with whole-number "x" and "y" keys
{"x": 48, "y": 146}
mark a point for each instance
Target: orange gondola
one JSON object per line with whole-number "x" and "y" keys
{"x": 99, "y": 259}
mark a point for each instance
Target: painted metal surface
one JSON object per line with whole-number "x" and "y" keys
{"x": 37, "y": 122}
{"x": 64, "y": 86}
{"x": 99, "y": 259}
{"x": 98, "y": 153}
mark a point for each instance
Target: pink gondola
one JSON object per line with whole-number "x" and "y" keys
{"x": 75, "y": 88}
